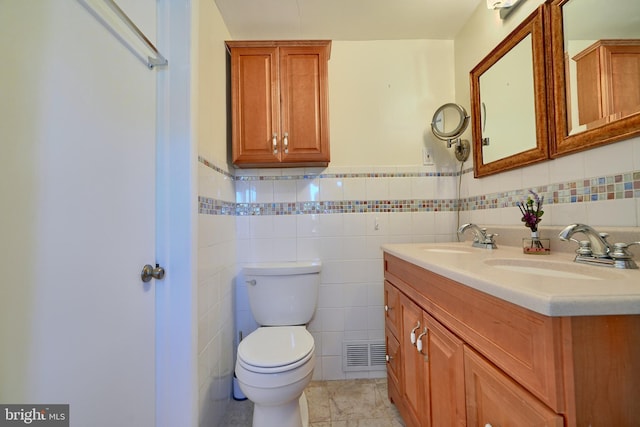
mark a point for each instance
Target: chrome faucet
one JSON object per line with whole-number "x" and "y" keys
{"x": 596, "y": 250}
{"x": 597, "y": 241}
{"x": 481, "y": 239}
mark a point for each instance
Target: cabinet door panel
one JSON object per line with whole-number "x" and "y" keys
{"x": 254, "y": 91}
{"x": 494, "y": 399}
{"x": 446, "y": 376}
{"x": 413, "y": 364}
{"x": 303, "y": 80}
{"x": 625, "y": 76}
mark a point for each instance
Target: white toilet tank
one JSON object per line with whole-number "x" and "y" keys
{"x": 282, "y": 294}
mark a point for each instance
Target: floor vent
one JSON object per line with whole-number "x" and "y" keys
{"x": 363, "y": 356}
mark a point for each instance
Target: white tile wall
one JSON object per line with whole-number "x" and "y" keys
{"x": 621, "y": 157}
{"x": 350, "y": 297}
{"x": 616, "y": 213}
{"x": 215, "y": 299}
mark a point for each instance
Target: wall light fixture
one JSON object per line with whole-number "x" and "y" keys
{"x": 505, "y": 6}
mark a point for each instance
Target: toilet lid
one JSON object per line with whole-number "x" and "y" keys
{"x": 272, "y": 346}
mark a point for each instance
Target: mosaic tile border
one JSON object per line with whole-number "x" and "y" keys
{"x": 215, "y": 168}
{"x": 613, "y": 187}
{"x": 349, "y": 175}
{"x": 344, "y": 206}
{"x": 210, "y": 206}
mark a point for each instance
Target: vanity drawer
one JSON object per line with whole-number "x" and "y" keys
{"x": 391, "y": 308}
{"x": 393, "y": 360}
{"x": 524, "y": 344}
{"x": 494, "y": 399}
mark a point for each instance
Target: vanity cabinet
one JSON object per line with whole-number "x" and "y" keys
{"x": 279, "y": 103}
{"x": 424, "y": 375}
{"x": 486, "y": 361}
{"x": 608, "y": 81}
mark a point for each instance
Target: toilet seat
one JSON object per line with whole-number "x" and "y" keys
{"x": 276, "y": 349}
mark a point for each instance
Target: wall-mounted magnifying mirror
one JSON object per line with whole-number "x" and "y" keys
{"x": 448, "y": 124}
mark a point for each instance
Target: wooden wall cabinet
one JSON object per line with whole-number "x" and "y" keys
{"x": 485, "y": 361}
{"x": 279, "y": 103}
{"x": 607, "y": 79}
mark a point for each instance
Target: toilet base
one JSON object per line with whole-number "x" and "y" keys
{"x": 304, "y": 410}
{"x": 291, "y": 414}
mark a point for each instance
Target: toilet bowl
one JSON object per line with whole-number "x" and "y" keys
{"x": 275, "y": 362}
{"x": 274, "y": 365}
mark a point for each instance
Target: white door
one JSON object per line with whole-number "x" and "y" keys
{"x": 77, "y": 120}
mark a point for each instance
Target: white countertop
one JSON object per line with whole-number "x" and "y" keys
{"x": 555, "y": 286}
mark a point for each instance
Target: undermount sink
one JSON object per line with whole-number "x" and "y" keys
{"x": 447, "y": 250}
{"x": 553, "y": 269}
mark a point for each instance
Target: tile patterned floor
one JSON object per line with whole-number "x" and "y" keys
{"x": 350, "y": 403}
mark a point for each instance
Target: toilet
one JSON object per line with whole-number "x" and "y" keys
{"x": 275, "y": 362}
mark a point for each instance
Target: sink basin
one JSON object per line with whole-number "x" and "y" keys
{"x": 553, "y": 269}
{"x": 446, "y": 250}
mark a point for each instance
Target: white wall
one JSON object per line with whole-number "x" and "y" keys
{"x": 216, "y": 233}
{"x": 382, "y": 97}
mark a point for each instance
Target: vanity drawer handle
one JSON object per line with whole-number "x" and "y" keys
{"x": 419, "y": 344}
{"x": 413, "y": 333}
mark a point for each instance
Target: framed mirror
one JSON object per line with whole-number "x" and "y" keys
{"x": 509, "y": 101}
{"x": 596, "y": 73}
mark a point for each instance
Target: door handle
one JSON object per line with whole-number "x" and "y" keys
{"x": 149, "y": 272}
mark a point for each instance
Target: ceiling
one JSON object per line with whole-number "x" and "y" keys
{"x": 345, "y": 19}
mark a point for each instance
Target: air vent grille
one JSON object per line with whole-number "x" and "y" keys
{"x": 363, "y": 356}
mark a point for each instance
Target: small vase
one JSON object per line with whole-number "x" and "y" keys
{"x": 534, "y": 245}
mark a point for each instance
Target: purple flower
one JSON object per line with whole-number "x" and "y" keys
{"x": 532, "y": 210}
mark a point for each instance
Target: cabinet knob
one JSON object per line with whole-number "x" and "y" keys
{"x": 386, "y": 308}
{"x": 285, "y": 142}
{"x": 488, "y": 425}
{"x": 388, "y": 358}
{"x": 274, "y": 141}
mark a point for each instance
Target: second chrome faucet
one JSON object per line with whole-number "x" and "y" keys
{"x": 596, "y": 250}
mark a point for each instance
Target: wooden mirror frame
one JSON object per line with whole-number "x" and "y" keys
{"x": 534, "y": 24}
{"x": 563, "y": 143}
